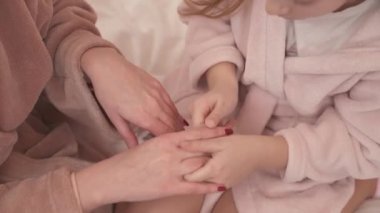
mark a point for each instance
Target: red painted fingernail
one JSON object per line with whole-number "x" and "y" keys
{"x": 229, "y": 131}
{"x": 185, "y": 122}
{"x": 222, "y": 189}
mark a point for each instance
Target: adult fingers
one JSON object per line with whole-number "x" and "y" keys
{"x": 202, "y": 146}
{"x": 159, "y": 110}
{"x": 175, "y": 121}
{"x": 147, "y": 121}
{"x": 166, "y": 105}
{"x": 124, "y": 130}
{"x": 165, "y": 96}
{"x": 200, "y": 134}
{"x": 154, "y": 124}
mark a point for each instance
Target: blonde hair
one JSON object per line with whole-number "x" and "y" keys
{"x": 211, "y": 8}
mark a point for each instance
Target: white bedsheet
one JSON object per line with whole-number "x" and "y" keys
{"x": 148, "y": 32}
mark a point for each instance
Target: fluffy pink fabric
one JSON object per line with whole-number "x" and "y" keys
{"x": 326, "y": 106}
{"x": 41, "y": 43}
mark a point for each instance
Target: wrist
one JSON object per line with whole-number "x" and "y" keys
{"x": 75, "y": 188}
{"x": 98, "y": 60}
{"x": 222, "y": 76}
{"x": 273, "y": 153}
{"x": 89, "y": 191}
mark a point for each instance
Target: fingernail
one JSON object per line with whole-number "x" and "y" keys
{"x": 229, "y": 131}
{"x": 185, "y": 122}
{"x": 222, "y": 189}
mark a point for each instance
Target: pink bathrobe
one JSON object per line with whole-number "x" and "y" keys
{"x": 50, "y": 123}
{"x": 326, "y": 106}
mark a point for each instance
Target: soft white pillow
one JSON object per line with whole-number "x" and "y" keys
{"x": 148, "y": 32}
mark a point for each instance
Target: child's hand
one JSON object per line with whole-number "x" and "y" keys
{"x": 128, "y": 94}
{"x": 217, "y": 105}
{"x": 233, "y": 158}
{"x": 214, "y": 107}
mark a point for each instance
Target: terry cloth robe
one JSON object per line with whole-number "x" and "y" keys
{"x": 50, "y": 123}
{"x": 326, "y": 106}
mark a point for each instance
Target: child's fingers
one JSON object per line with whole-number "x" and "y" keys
{"x": 192, "y": 164}
{"x": 200, "y": 110}
{"x": 198, "y": 188}
{"x": 201, "y": 175}
{"x": 216, "y": 116}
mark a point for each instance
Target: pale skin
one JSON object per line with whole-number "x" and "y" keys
{"x": 129, "y": 95}
{"x": 150, "y": 171}
{"x": 234, "y": 157}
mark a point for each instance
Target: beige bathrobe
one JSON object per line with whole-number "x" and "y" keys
{"x": 48, "y": 117}
{"x": 326, "y": 106}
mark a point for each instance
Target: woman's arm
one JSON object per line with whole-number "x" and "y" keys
{"x": 343, "y": 142}
{"x": 127, "y": 93}
{"x": 137, "y": 174}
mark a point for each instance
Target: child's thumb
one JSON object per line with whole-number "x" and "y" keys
{"x": 215, "y": 117}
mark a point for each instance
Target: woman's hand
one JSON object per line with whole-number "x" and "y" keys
{"x": 237, "y": 156}
{"x": 128, "y": 94}
{"x": 217, "y": 105}
{"x": 152, "y": 170}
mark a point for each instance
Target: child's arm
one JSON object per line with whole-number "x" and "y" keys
{"x": 220, "y": 100}
{"x": 211, "y": 48}
{"x": 345, "y": 140}
{"x": 237, "y": 156}
{"x": 222, "y": 74}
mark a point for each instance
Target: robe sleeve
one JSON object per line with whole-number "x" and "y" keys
{"x": 52, "y": 192}
{"x": 72, "y": 31}
{"x": 209, "y": 41}
{"x": 344, "y": 142}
